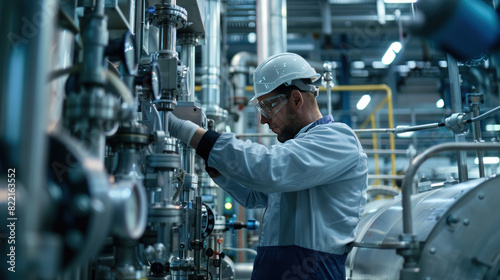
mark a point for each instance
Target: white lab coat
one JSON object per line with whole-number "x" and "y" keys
{"x": 314, "y": 186}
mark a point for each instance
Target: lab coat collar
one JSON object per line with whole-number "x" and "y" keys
{"x": 324, "y": 120}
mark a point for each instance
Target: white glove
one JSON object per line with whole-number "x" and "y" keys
{"x": 181, "y": 129}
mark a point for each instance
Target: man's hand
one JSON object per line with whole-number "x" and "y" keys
{"x": 181, "y": 129}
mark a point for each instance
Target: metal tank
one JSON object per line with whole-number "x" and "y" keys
{"x": 457, "y": 227}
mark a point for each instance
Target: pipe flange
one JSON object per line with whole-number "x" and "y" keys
{"x": 91, "y": 107}
{"x": 164, "y": 161}
{"x": 188, "y": 38}
{"x": 137, "y": 134}
{"x": 171, "y": 14}
{"x": 165, "y": 214}
{"x": 168, "y": 104}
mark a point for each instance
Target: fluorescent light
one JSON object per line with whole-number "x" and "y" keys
{"x": 363, "y": 102}
{"x": 412, "y": 64}
{"x": 390, "y": 54}
{"x": 358, "y": 64}
{"x": 378, "y": 65}
{"x": 400, "y": 1}
{"x": 488, "y": 160}
{"x": 440, "y": 103}
{"x": 396, "y": 47}
{"x": 252, "y": 37}
{"x": 389, "y": 57}
{"x": 493, "y": 127}
{"x": 443, "y": 63}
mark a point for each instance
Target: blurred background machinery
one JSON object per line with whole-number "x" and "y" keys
{"x": 93, "y": 187}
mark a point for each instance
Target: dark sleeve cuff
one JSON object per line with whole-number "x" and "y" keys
{"x": 206, "y": 144}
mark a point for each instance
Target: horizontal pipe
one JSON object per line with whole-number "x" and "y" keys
{"x": 382, "y": 176}
{"x": 386, "y": 152}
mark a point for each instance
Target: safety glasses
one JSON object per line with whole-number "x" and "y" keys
{"x": 270, "y": 106}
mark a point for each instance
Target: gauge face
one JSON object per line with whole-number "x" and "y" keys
{"x": 129, "y": 53}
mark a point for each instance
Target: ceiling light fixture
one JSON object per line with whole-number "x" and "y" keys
{"x": 488, "y": 160}
{"x": 363, "y": 102}
{"x": 399, "y": 1}
{"x": 440, "y": 103}
{"x": 390, "y": 54}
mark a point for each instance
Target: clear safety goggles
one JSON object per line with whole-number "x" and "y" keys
{"x": 270, "y": 106}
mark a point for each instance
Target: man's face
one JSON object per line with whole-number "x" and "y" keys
{"x": 279, "y": 116}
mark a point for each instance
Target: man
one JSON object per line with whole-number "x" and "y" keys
{"x": 313, "y": 184}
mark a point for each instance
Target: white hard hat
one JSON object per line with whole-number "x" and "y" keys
{"x": 281, "y": 69}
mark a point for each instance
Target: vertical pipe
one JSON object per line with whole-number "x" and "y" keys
{"x": 477, "y": 138}
{"x": 240, "y": 63}
{"x": 271, "y": 36}
{"x": 375, "y": 147}
{"x": 271, "y": 28}
{"x": 456, "y": 107}
{"x": 188, "y": 43}
{"x": 139, "y": 27}
{"x": 211, "y": 59}
{"x": 28, "y": 27}
{"x": 326, "y": 14}
{"x": 327, "y": 69}
{"x": 345, "y": 74}
{"x": 392, "y": 141}
{"x": 197, "y": 235}
{"x": 168, "y": 39}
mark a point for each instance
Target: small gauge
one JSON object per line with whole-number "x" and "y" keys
{"x": 124, "y": 50}
{"x": 149, "y": 77}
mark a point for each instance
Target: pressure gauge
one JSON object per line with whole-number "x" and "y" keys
{"x": 149, "y": 77}
{"x": 124, "y": 50}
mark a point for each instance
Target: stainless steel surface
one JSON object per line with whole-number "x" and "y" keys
{"x": 421, "y": 158}
{"x": 271, "y": 28}
{"x": 211, "y": 62}
{"x": 451, "y": 223}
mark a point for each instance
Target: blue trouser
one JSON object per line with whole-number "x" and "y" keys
{"x": 297, "y": 263}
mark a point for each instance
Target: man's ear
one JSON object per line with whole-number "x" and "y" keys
{"x": 297, "y": 99}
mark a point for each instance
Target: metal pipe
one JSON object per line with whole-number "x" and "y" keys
{"x": 28, "y": 27}
{"x": 211, "y": 58}
{"x": 484, "y": 115}
{"x": 407, "y": 184}
{"x": 197, "y": 235}
{"x": 139, "y": 27}
{"x": 386, "y": 152}
{"x": 271, "y": 28}
{"x": 456, "y": 107}
{"x": 188, "y": 42}
{"x": 476, "y": 128}
{"x": 168, "y": 33}
{"x": 383, "y": 176}
{"x": 240, "y": 64}
{"x": 327, "y": 67}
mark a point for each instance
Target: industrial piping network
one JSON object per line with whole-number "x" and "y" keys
{"x": 105, "y": 192}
